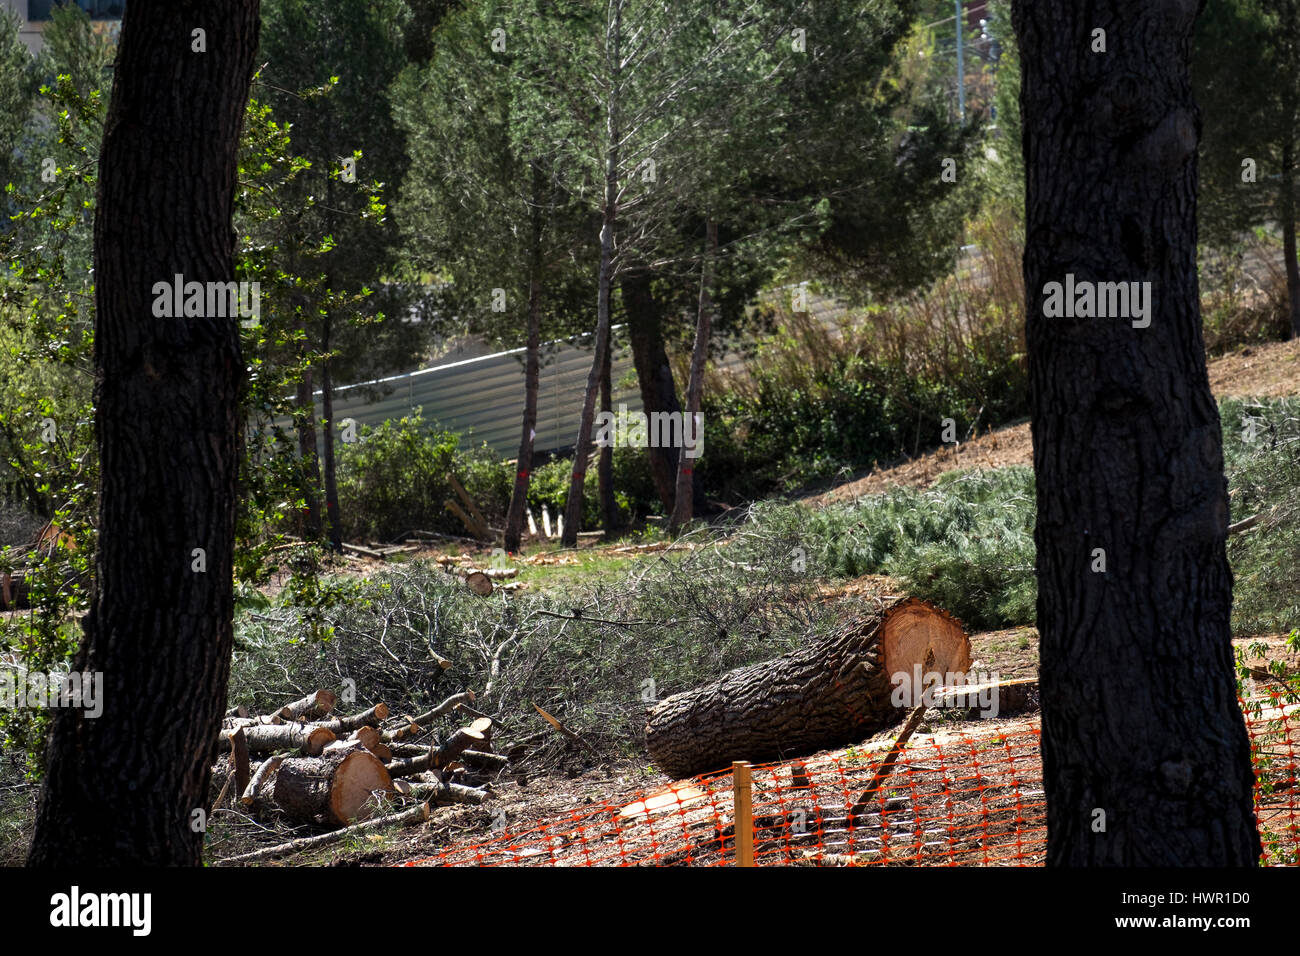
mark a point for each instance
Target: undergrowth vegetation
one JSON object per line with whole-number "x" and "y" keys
{"x": 966, "y": 543}
{"x": 594, "y": 656}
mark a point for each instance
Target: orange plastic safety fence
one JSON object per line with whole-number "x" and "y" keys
{"x": 968, "y": 801}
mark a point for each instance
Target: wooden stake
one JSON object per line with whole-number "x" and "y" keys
{"x": 743, "y": 801}
{"x": 870, "y": 795}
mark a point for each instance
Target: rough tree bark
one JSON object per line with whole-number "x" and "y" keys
{"x": 1146, "y": 760}
{"x": 824, "y": 694}
{"x": 582, "y": 445}
{"x": 609, "y": 515}
{"x": 1288, "y": 210}
{"x": 684, "y": 499}
{"x": 122, "y": 789}
{"x": 532, "y": 372}
{"x": 654, "y": 373}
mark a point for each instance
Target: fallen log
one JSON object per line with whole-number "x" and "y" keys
{"x": 826, "y": 694}
{"x": 239, "y": 754}
{"x": 363, "y": 551}
{"x": 416, "y": 814}
{"x": 334, "y": 788}
{"x": 447, "y": 705}
{"x": 435, "y": 791}
{"x": 267, "y": 738}
{"x": 409, "y": 766}
{"x": 369, "y": 737}
{"x": 310, "y": 707}
{"x": 371, "y": 718}
{"x": 401, "y": 731}
{"x": 408, "y": 750}
{"x": 484, "y": 761}
{"x": 463, "y": 739}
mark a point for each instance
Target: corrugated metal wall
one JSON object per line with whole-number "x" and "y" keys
{"x": 483, "y": 398}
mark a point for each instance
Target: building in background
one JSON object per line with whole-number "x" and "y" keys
{"x": 106, "y": 15}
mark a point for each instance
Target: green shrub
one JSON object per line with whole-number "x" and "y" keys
{"x": 1262, "y": 453}
{"x": 814, "y": 402}
{"x": 394, "y": 480}
{"x": 966, "y": 543}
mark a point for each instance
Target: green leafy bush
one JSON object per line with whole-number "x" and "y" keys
{"x": 966, "y": 543}
{"x": 395, "y": 479}
{"x": 1261, "y": 441}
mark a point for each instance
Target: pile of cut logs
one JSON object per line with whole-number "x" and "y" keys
{"x": 334, "y": 771}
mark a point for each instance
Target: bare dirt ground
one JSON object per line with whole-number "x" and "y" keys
{"x": 1265, "y": 371}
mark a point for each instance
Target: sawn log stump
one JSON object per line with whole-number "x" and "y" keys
{"x": 827, "y": 694}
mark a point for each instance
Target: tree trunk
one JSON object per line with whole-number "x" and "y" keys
{"x": 532, "y": 375}
{"x": 654, "y": 373}
{"x": 335, "y": 788}
{"x": 1146, "y": 761}
{"x": 122, "y": 789}
{"x": 1288, "y": 210}
{"x": 826, "y": 694}
{"x": 605, "y": 463}
{"x": 310, "y": 455}
{"x": 268, "y": 738}
{"x": 333, "y": 518}
{"x": 684, "y": 504}
{"x": 582, "y": 446}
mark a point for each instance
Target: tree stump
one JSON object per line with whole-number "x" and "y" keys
{"x": 829, "y": 693}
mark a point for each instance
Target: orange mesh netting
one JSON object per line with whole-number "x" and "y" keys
{"x": 966, "y": 800}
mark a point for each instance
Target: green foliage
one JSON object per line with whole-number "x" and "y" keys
{"x": 49, "y": 466}
{"x": 634, "y": 490}
{"x": 1262, "y": 453}
{"x": 816, "y": 403}
{"x": 966, "y": 543}
{"x": 680, "y": 620}
{"x": 18, "y": 83}
{"x": 394, "y": 479}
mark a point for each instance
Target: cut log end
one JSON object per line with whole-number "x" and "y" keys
{"x": 918, "y": 634}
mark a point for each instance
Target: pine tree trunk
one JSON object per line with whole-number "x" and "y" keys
{"x": 1146, "y": 760}
{"x": 309, "y": 455}
{"x": 1288, "y": 210}
{"x": 582, "y": 446}
{"x": 825, "y": 694}
{"x": 532, "y": 375}
{"x": 122, "y": 789}
{"x": 334, "y": 519}
{"x": 654, "y": 374}
{"x": 684, "y": 507}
